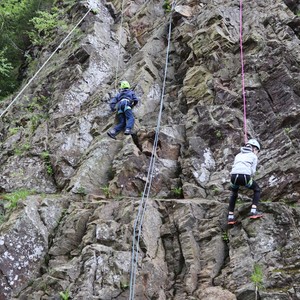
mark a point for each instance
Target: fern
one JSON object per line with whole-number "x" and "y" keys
{"x": 5, "y": 65}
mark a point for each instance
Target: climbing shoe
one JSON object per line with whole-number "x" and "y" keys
{"x": 231, "y": 220}
{"x": 255, "y": 215}
{"x": 127, "y": 131}
{"x": 110, "y": 134}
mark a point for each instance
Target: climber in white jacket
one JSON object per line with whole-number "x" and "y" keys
{"x": 244, "y": 167}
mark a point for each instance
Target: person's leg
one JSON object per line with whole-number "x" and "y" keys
{"x": 234, "y": 192}
{"x": 119, "y": 127}
{"x": 231, "y": 220}
{"x": 232, "y": 200}
{"x": 255, "y": 200}
{"x": 129, "y": 119}
{"x": 256, "y": 193}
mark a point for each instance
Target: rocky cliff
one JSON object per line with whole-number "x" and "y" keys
{"x": 72, "y": 237}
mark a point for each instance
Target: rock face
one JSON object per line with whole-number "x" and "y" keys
{"x": 74, "y": 235}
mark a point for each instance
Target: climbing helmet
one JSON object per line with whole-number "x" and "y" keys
{"x": 124, "y": 85}
{"x": 254, "y": 143}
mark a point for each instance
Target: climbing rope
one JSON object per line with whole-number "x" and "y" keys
{"x": 44, "y": 64}
{"x": 119, "y": 44}
{"x": 137, "y": 229}
{"x": 243, "y": 72}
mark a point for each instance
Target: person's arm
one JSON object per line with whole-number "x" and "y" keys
{"x": 254, "y": 164}
{"x": 113, "y": 103}
{"x": 134, "y": 99}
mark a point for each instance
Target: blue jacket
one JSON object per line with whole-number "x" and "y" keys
{"x": 124, "y": 94}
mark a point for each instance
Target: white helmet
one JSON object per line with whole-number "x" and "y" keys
{"x": 254, "y": 143}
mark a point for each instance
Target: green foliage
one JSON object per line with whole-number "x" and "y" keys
{"x": 257, "y": 278}
{"x": 177, "y": 191}
{"x": 225, "y": 237}
{"x": 49, "y": 170}
{"x": 105, "y": 190}
{"x": 44, "y": 25}
{"x": 215, "y": 190}
{"x": 37, "y": 112}
{"x": 35, "y": 121}
{"x": 95, "y": 11}
{"x": 22, "y": 148}
{"x": 2, "y": 218}
{"x": 46, "y": 157}
{"x": 5, "y": 65}
{"x": 124, "y": 285}
{"x": 14, "y": 23}
{"x": 15, "y": 197}
{"x": 14, "y": 41}
{"x": 167, "y": 6}
{"x": 13, "y": 130}
{"x": 266, "y": 200}
{"x": 38, "y": 103}
{"x": 81, "y": 191}
{"x": 64, "y": 295}
{"x": 288, "y": 130}
{"x": 219, "y": 134}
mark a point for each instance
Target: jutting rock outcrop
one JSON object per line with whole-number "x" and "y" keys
{"x": 73, "y": 234}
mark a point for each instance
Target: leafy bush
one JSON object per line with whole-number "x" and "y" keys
{"x": 14, "y": 40}
{"x": 44, "y": 25}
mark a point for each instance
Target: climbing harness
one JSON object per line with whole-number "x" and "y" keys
{"x": 123, "y": 105}
{"x": 138, "y": 223}
{"x": 248, "y": 184}
{"x": 44, "y": 64}
{"x": 243, "y": 72}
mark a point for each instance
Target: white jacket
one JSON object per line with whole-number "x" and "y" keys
{"x": 245, "y": 162}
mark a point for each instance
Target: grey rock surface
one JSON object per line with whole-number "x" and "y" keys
{"x": 74, "y": 235}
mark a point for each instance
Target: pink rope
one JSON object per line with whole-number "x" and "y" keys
{"x": 243, "y": 72}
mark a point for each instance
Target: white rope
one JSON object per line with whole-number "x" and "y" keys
{"x": 143, "y": 202}
{"x": 44, "y": 64}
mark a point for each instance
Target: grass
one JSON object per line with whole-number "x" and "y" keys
{"x": 13, "y": 130}
{"x": 257, "y": 278}
{"x": 64, "y": 295}
{"x": 105, "y": 190}
{"x": 14, "y": 197}
{"x": 22, "y": 149}
{"x": 177, "y": 191}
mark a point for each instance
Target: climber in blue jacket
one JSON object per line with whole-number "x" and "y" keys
{"x": 244, "y": 167}
{"x": 123, "y": 103}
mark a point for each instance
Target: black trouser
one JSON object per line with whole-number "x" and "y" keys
{"x": 238, "y": 180}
